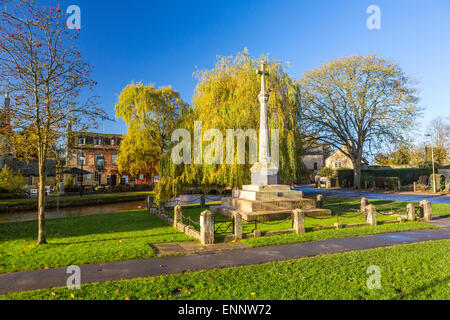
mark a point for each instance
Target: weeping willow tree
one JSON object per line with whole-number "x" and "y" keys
{"x": 226, "y": 97}
{"x": 151, "y": 114}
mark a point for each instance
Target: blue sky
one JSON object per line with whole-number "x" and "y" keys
{"x": 162, "y": 43}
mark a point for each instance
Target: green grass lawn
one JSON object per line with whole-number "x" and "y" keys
{"x": 335, "y": 234}
{"x": 83, "y": 240}
{"x": 128, "y": 235}
{"x": 84, "y": 198}
{"x": 414, "y": 271}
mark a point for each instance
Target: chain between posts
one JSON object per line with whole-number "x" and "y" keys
{"x": 190, "y": 220}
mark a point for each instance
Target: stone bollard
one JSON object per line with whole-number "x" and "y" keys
{"x": 202, "y": 201}
{"x": 161, "y": 207}
{"x": 206, "y": 227}
{"x": 364, "y": 204}
{"x": 237, "y": 226}
{"x": 319, "y": 201}
{"x": 425, "y": 210}
{"x": 299, "y": 221}
{"x": 257, "y": 233}
{"x": 177, "y": 216}
{"x": 411, "y": 211}
{"x": 337, "y": 225}
{"x": 371, "y": 217}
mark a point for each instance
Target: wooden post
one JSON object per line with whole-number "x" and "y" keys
{"x": 371, "y": 217}
{"x": 206, "y": 227}
{"x": 237, "y": 226}
{"x": 319, "y": 201}
{"x": 299, "y": 221}
{"x": 410, "y": 210}
{"x": 414, "y": 185}
{"x": 425, "y": 210}
{"x": 177, "y": 216}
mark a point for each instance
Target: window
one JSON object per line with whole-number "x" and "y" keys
{"x": 100, "y": 162}
{"x": 337, "y": 164}
{"x": 114, "y": 158}
{"x": 97, "y": 141}
{"x": 315, "y": 165}
{"x": 80, "y": 161}
{"x": 81, "y": 141}
{"x": 97, "y": 177}
{"x": 80, "y": 178}
{"x": 113, "y": 141}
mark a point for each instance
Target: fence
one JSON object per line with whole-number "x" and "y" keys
{"x": 212, "y": 231}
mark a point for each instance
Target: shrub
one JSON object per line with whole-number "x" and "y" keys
{"x": 69, "y": 182}
{"x": 440, "y": 182}
{"x": 406, "y": 175}
{"x": 11, "y": 182}
{"x": 326, "y": 172}
{"x": 392, "y": 182}
{"x": 345, "y": 177}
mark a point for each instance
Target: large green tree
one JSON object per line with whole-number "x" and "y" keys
{"x": 151, "y": 114}
{"x": 360, "y": 102}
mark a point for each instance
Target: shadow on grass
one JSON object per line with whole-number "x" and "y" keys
{"x": 113, "y": 239}
{"x": 432, "y": 284}
{"x": 107, "y": 223}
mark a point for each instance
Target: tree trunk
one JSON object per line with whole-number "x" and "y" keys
{"x": 357, "y": 174}
{"x": 41, "y": 203}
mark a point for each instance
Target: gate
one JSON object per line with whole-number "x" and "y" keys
{"x": 223, "y": 227}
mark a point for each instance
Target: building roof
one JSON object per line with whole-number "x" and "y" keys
{"x": 30, "y": 167}
{"x": 95, "y": 134}
{"x": 75, "y": 171}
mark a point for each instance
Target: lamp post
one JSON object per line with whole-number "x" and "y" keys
{"x": 82, "y": 158}
{"x": 432, "y": 161}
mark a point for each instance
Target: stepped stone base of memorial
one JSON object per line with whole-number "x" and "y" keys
{"x": 266, "y": 203}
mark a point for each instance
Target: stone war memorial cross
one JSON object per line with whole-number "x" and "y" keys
{"x": 265, "y": 171}
{"x": 265, "y": 199}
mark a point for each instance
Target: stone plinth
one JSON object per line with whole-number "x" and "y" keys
{"x": 264, "y": 173}
{"x": 266, "y": 203}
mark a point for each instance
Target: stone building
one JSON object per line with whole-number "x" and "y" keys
{"x": 99, "y": 152}
{"x": 314, "y": 158}
{"x": 29, "y": 168}
{"x": 338, "y": 160}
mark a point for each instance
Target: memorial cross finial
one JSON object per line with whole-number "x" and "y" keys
{"x": 262, "y": 71}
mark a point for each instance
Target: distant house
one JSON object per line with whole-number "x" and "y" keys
{"x": 99, "y": 152}
{"x": 338, "y": 160}
{"x": 314, "y": 158}
{"x": 30, "y": 170}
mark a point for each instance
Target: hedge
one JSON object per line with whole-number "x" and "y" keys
{"x": 406, "y": 175}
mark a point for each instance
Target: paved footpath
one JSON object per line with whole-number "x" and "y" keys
{"x": 50, "y": 278}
